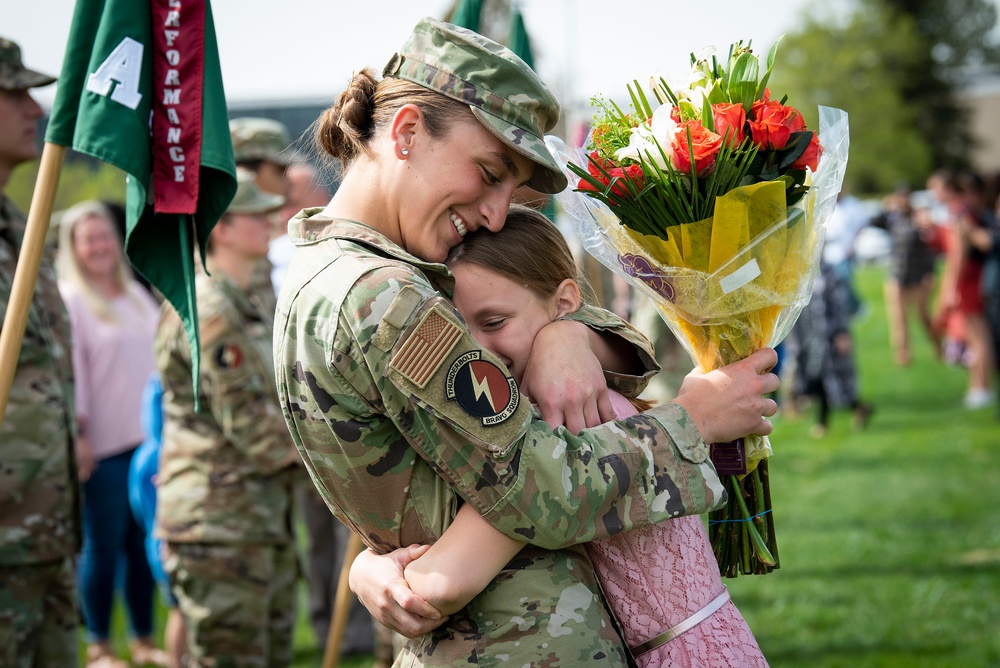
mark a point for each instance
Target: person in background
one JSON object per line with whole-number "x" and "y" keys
{"x": 986, "y": 239}
{"x": 849, "y": 217}
{"x": 959, "y": 308}
{"x": 142, "y": 499}
{"x": 227, "y": 466}
{"x": 262, "y": 147}
{"x": 304, "y": 191}
{"x": 911, "y": 271}
{"x": 113, "y": 320}
{"x": 825, "y": 351}
{"x": 39, "y": 487}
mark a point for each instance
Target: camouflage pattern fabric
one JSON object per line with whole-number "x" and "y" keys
{"x": 399, "y": 415}
{"x": 502, "y": 91}
{"x": 225, "y": 473}
{"x": 239, "y": 602}
{"x": 13, "y": 74}
{"x": 38, "y": 615}
{"x": 39, "y": 493}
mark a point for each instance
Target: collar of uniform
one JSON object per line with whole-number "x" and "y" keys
{"x": 224, "y": 283}
{"x": 311, "y": 226}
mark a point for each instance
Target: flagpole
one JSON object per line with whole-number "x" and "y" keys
{"x": 341, "y": 604}
{"x": 28, "y": 261}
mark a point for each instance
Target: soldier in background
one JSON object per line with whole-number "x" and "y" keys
{"x": 262, "y": 146}
{"x": 39, "y": 490}
{"x": 227, "y": 469}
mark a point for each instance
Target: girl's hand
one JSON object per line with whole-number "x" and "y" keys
{"x": 565, "y": 378}
{"x": 86, "y": 462}
{"x": 379, "y": 583}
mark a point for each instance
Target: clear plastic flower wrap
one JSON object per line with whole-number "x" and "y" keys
{"x": 727, "y": 286}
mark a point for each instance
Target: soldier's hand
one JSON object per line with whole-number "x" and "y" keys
{"x": 729, "y": 403}
{"x": 564, "y": 378}
{"x": 379, "y": 583}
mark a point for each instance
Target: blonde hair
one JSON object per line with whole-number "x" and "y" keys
{"x": 69, "y": 269}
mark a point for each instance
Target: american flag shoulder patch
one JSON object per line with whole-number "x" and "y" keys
{"x": 426, "y": 349}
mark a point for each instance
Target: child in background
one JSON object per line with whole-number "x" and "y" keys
{"x": 662, "y": 582}
{"x": 142, "y": 498}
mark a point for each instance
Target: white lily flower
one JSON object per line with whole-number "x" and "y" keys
{"x": 644, "y": 138}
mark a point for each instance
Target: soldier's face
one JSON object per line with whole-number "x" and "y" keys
{"x": 245, "y": 234}
{"x": 19, "y": 114}
{"x": 503, "y": 316}
{"x": 456, "y": 184}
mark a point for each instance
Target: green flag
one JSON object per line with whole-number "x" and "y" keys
{"x": 141, "y": 88}
{"x": 466, "y": 14}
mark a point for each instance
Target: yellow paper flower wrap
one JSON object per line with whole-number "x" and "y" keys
{"x": 731, "y": 284}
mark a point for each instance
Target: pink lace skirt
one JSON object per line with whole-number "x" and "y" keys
{"x": 657, "y": 577}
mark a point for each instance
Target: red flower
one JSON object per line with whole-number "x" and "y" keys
{"x": 772, "y": 124}
{"x": 811, "y": 156}
{"x": 730, "y": 118}
{"x": 705, "y": 145}
{"x": 633, "y": 171}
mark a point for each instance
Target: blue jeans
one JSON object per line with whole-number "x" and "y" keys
{"x": 113, "y": 552}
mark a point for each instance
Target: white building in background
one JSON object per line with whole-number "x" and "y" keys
{"x": 982, "y": 96}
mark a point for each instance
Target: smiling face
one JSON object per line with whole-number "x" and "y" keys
{"x": 96, "y": 246}
{"x": 456, "y": 184}
{"x": 503, "y": 316}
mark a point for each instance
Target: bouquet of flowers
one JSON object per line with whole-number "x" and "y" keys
{"x": 713, "y": 204}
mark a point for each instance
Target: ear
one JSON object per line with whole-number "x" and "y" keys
{"x": 567, "y": 297}
{"x": 407, "y": 124}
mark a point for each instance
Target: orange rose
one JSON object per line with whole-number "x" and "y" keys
{"x": 633, "y": 172}
{"x": 810, "y": 158}
{"x": 730, "y": 118}
{"x": 772, "y": 124}
{"x": 705, "y": 145}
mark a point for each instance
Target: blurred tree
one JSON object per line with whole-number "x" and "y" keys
{"x": 895, "y": 67}
{"x": 80, "y": 179}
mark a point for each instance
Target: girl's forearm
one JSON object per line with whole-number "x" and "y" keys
{"x": 461, "y": 563}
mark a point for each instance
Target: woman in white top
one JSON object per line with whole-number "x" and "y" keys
{"x": 113, "y": 322}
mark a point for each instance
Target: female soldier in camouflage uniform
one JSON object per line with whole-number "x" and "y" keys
{"x": 400, "y": 415}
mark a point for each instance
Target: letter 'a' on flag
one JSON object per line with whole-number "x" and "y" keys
{"x": 141, "y": 88}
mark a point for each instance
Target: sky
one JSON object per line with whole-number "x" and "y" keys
{"x": 308, "y": 49}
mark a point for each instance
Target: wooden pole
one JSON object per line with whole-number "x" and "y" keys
{"x": 28, "y": 261}
{"x": 342, "y": 604}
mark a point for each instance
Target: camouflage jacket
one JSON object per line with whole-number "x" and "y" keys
{"x": 397, "y": 411}
{"x": 224, "y": 471}
{"x": 39, "y": 493}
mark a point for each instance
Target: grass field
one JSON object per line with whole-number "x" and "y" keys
{"x": 889, "y": 537}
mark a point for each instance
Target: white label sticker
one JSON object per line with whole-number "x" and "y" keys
{"x": 740, "y": 277}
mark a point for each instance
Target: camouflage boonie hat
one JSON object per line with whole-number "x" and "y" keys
{"x": 503, "y": 92}
{"x": 260, "y": 139}
{"x": 13, "y": 74}
{"x": 251, "y": 199}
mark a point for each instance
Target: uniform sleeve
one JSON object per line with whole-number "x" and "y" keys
{"x": 400, "y": 361}
{"x": 606, "y": 321}
{"x": 241, "y": 395}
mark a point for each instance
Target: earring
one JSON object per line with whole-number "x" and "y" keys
{"x": 405, "y": 152}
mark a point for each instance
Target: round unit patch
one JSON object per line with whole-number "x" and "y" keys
{"x": 481, "y": 388}
{"x": 229, "y": 356}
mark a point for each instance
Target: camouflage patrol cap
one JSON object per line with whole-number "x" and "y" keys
{"x": 251, "y": 199}
{"x": 503, "y": 92}
{"x": 260, "y": 139}
{"x": 13, "y": 74}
